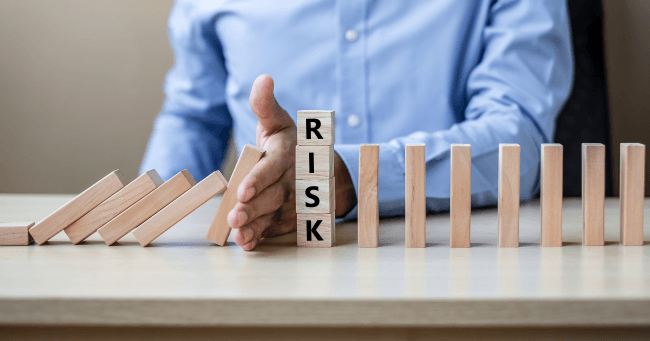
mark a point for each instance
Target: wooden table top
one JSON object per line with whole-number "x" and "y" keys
{"x": 183, "y": 279}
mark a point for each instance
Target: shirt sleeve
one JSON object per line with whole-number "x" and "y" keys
{"x": 514, "y": 95}
{"x": 194, "y": 126}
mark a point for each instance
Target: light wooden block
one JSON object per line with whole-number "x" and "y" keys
{"x": 368, "y": 210}
{"x": 219, "y": 228}
{"x": 415, "y": 193}
{"x": 551, "y": 194}
{"x": 509, "y": 195}
{"x": 593, "y": 194}
{"x": 319, "y": 227}
{"x": 15, "y": 233}
{"x": 315, "y": 196}
{"x": 142, "y": 210}
{"x": 77, "y": 207}
{"x": 314, "y": 162}
{"x": 180, "y": 208}
{"x": 116, "y": 204}
{"x": 460, "y": 201}
{"x": 632, "y": 193}
{"x": 321, "y": 124}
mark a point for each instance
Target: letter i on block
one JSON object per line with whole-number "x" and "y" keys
{"x": 632, "y": 192}
{"x": 593, "y": 194}
{"x": 508, "y": 195}
{"x": 551, "y": 194}
{"x": 460, "y": 201}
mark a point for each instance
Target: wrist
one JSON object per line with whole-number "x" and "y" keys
{"x": 345, "y": 195}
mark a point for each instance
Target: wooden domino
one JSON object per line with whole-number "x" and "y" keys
{"x": 77, "y": 207}
{"x": 368, "y": 212}
{"x": 142, "y": 210}
{"x": 551, "y": 194}
{"x": 415, "y": 194}
{"x": 316, "y": 230}
{"x": 15, "y": 233}
{"x": 314, "y": 162}
{"x": 632, "y": 193}
{"x": 315, "y": 128}
{"x": 116, "y": 204}
{"x": 593, "y": 194}
{"x": 508, "y": 202}
{"x": 460, "y": 197}
{"x": 219, "y": 228}
{"x": 180, "y": 208}
{"x": 315, "y": 196}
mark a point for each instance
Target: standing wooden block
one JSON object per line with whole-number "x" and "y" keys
{"x": 632, "y": 192}
{"x": 77, "y": 207}
{"x": 219, "y": 229}
{"x": 180, "y": 208}
{"x": 551, "y": 194}
{"x": 15, "y": 233}
{"x": 315, "y": 128}
{"x": 368, "y": 211}
{"x": 316, "y": 230}
{"x": 315, "y": 196}
{"x": 142, "y": 210}
{"x": 593, "y": 194}
{"x": 460, "y": 201}
{"x": 509, "y": 195}
{"x": 314, "y": 162}
{"x": 116, "y": 204}
{"x": 416, "y": 201}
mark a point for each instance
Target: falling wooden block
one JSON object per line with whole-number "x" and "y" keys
{"x": 368, "y": 211}
{"x": 460, "y": 201}
{"x": 142, "y": 210}
{"x": 632, "y": 193}
{"x": 180, "y": 208}
{"x": 593, "y": 194}
{"x": 416, "y": 201}
{"x": 219, "y": 229}
{"x": 77, "y": 207}
{"x": 15, "y": 233}
{"x": 551, "y": 194}
{"x": 116, "y": 204}
{"x": 509, "y": 195}
{"x": 316, "y": 230}
{"x": 314, "y": 162}
{"x": 315, "y": 196}
{"x": 315, "y": 128}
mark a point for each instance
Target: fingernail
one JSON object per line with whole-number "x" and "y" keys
{"x": 250, "y": 193}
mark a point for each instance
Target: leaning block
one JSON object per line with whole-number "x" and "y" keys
{"x": 219, "y": 228}
{"x": 142, "y": 210}
{"x": 77, "y": 207}
{"x": 116, "y": 204}
{"x": 15, "y": 233}
{"x": 315, "y": 196}
{"x": 593, "y": 194}
{"x": 316, "y": 230}
{"x": 632, "y": 192}
{"x": 551, "y": 194}
{"x": 314, "y": 162}
{"x": 508, "y": 195}
{"x": 415, "y": 202}
{"x": 187, "y": 203}
{"x": 315, "y": 128}
{"x": 460, "y": 201}
{"x": 368, "y": 211}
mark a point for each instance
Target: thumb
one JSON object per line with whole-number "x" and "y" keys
{"x": 271, "y": 116}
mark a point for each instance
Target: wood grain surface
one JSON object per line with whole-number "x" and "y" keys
{"x": 593, "y": 194}
{"x": 326, "y": 229}
{"x": 15, "y": 234}
{"x": 551, "y": 194}
{"x": 320, "y": 167}
{"x": 368, "y": 205}
{"x": 415, "y": 209}
{"x": 632, "y": 189}
{"x": 325, "y": 193}
{"x": 509, "y": 179}
{"x": 326, "y": 129}
{"x": 460, "y": 201}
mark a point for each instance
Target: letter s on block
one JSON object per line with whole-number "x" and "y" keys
{"x": 312, "y": 196}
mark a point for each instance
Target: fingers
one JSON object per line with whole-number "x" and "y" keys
{"x": 269, "y": 200}
{"x": 271, "y": 116}
{"x": 266, "y": 172}
{"x": 252, "y": 231}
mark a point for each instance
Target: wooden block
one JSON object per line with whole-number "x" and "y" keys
{"x": 77, "y": 207}
{"x": 460, "y": 201}
{"x": 314, "y": 162}
{"x": 15, "y": 233}
{"x": 368, "y": 211}
{"x": 593, "y": 194}
{"x": 416, "y": 200}
{"x": 316, "y": 230}
{"x": 509, "y": 195}
{"x": 116, "y": 204}
{"x": 142, "y": 210}
{"x": 180, "y": 208}
{"x": 315, "y": 128}
{"x": 551, "y": 194}
{"x": 632, "y": 193}
{"x": 219, "y": 229}
{"x": 315, "y": 196}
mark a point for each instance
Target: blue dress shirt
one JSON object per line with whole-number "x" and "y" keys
{"x": 481, "y": 72}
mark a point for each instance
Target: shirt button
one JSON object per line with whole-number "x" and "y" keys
{"x": 351, "y": 35}
{"x": 353, "y": 120}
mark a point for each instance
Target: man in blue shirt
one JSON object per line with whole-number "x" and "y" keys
{"x": 481, "y": 72}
